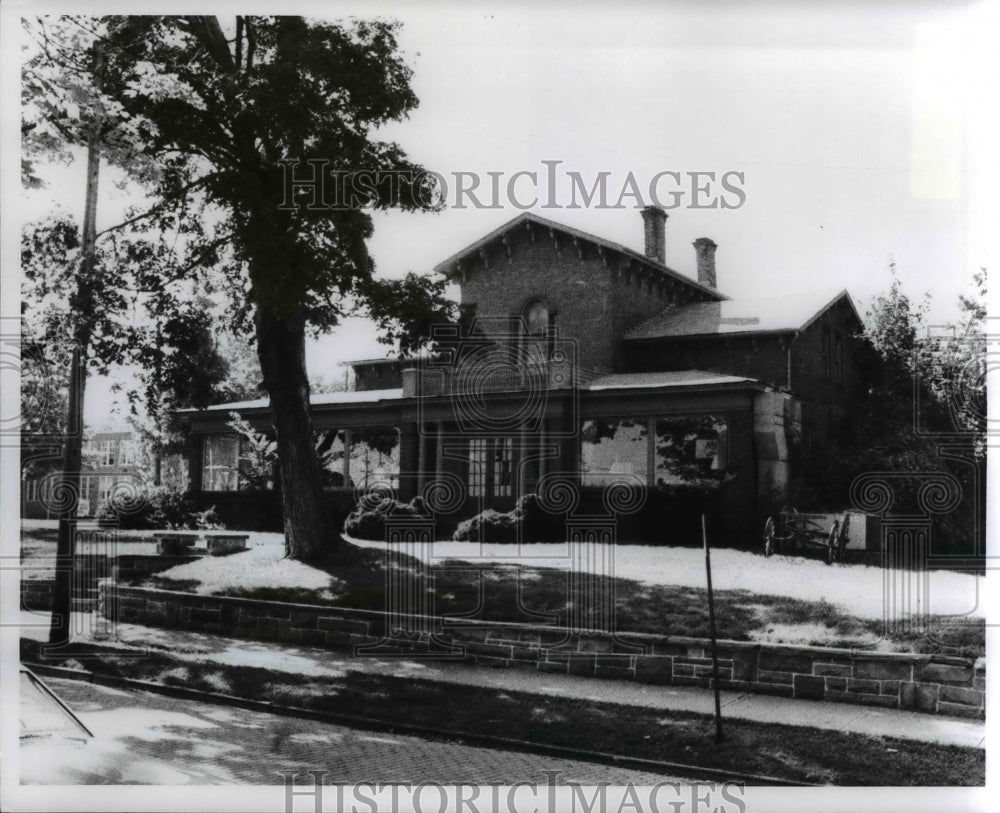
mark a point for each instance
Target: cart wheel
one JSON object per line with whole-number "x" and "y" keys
{"x": 769, "y": 536}
{"x": 833, "y": 544}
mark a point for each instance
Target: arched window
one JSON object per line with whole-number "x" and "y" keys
{"x": 536, "y": 318}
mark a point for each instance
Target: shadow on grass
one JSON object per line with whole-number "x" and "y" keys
{"x": 364, "y": 577}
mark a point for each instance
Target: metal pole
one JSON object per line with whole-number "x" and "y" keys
{"x": 711, "y": 626}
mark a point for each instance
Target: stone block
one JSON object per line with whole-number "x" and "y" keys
{"x": 945, "y": 673}
{"x": 303, "y": 620}
{"x": 866, "y": 686}
{"x": 907, "y": 694}
{"x": 549, "y": 666}
{"x": 809, "y": 686}
{"x": 581, "y": 664}
{"x": 864, "y": 699}
{"x": 979, "y": 683}
{"x": 744, "y": 664}
{"x": 683, "y": 670}
{"x": 767, "y": 676}
{"x": 837, "y": 684}
{"x": 960, "y": 710}
{"x": 926, "y": 696}
{"x": 594, "y": 644}
{"x": 334, "y": 623}
{"x": 960, "y": 694}
{"x": 653, "y": 669}
{"x": 524, "y": 653}
{"x": 882, "y": 669}
{"x": 786, "y": 661}
{"x": 833, "y": 669}
{"x": 489, "y": 650}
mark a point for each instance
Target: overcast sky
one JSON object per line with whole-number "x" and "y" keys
{"x": 854, "y": 125}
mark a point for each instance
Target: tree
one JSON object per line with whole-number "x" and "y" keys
{"x": 916, "y": 391}
{"x": 229, "y": 108}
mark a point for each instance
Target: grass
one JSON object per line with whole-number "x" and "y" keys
{"x": 543, "y": 595}
{"x": 782, "y": 751}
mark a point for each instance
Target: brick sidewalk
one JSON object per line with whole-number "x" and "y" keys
{"x": 143, "y": 738}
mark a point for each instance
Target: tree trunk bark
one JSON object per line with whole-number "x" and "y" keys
{"x": 309, "y": 533}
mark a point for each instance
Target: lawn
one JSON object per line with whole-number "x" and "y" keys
{"x": 786, "y": 752}
{"x": 655, "y": 589}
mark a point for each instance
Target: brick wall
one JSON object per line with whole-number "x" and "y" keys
{"x": 764, "y": 357}
{"x": 932, "y": 684}
{"x": 594, "y": 303}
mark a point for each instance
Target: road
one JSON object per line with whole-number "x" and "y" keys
{"x": 145, "y": 738}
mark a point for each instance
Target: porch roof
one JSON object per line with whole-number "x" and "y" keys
{"x": 673, "y": 378}
{"x": 316, "y": 399}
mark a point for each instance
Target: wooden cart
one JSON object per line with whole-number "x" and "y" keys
{"x": 789, "y": 530}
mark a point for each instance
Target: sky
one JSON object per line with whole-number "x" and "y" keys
{"x": 857, "y": 128}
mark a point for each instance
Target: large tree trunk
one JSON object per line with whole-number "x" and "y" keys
{"x": 309, "y": 533}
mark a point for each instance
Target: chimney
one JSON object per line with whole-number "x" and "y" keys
{"x": 704, "y": 250}
{"x": 655, "y": 221}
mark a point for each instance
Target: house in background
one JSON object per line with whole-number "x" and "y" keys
{"x": 589, "y": 365}
{"x": 110, "y": 461}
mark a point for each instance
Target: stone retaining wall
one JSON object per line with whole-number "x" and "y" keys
{"x": 927, "y": 683}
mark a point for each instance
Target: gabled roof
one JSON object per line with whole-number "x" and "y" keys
{"x": 673, "y": 378}
{"x": 773, "y": 314}
{"x": 447, "y": 266}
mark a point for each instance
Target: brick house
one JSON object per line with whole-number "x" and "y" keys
{"x": 110, "y": 465}
{"x": 588, "y": 365}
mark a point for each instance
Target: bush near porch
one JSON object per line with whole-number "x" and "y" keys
{"x": 668, "y": 515}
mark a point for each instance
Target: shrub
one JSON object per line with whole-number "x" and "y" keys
{"x": 528, "y": 516}
{"x": 368, "y": 519}
{"x": 168, "y": 507}
{"x": 489, "y": 526}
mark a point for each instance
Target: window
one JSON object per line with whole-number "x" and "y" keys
{"x": 501, "y": 467}
{"x": 613, "y": 448}
{"x": 689, "y": 447}
{"x": 477, "y": 467}
{"x": 374, "y": 457}
{"x": 127, "y": 451}
{"x": 536, "y": 319}
{"x": 106, "y": 453}
{"x": 330, "y": 449}
{"x": 538, "y": 322}
{"x": 220, "y": 456}
{"x": 490, "y": 467}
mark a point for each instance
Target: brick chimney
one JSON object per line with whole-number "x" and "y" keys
{"x": 655, "y": 222}
{"x": 704, "y": 249}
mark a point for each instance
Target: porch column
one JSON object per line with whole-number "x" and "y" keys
{"x": 421, "y": 456}
{"x": 347, "y": 458}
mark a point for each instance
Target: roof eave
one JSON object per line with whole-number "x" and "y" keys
{"x": 445, "y": 267}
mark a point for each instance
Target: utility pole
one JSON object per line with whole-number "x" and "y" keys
{"x": 711, "y": 626}
{"x": 62, "y": 598}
